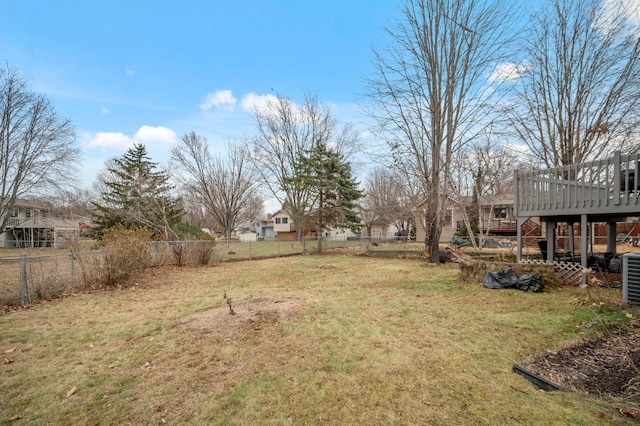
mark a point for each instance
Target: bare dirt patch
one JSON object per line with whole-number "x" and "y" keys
{"x": 244, "y": 316}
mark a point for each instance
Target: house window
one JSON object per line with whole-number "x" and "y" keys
{"x": 285, "y": 220}
{"x": 500, "y": 213}
{"x": 28, "y": 213}
{"x": 277, "y": 220}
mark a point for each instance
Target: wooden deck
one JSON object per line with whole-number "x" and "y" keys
{"x": 601, "y": 191}
{"x": 609, "y": 188}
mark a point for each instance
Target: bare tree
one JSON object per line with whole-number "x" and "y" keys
{"x": 579, "y": 97}
{"x": 286, "y": 133}
{"x": 481, "y": 173}
{"x": 430, "y": 93}
{"x": 385, "y": 200}
{"x": 38, "y": 148}
{"x": 226, "y": 186}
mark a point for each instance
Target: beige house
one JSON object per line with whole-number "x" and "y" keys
{"x": 32, "y": 224}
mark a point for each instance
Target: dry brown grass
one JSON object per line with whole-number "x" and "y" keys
{"x": 315, "y": 340}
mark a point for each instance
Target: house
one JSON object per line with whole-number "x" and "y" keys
{"x": 496, "y": 214}
{"x": 453, "y": 221}
{"x": 283, "y": 225}
{"x": 33, "y": 224}
{"x": 383, "y": 230}
{"x": 262, "y": 227}
{"x": 496, "y": 217}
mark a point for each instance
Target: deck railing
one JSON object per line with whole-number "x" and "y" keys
{"x": 605, "y": 186}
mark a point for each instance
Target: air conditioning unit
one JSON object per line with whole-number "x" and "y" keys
{"x": 631, "y": 278}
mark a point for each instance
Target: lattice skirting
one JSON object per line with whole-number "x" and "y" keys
{"x": 571, "y": 273}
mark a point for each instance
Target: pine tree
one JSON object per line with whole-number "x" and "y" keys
{"x": 328, "y": 177}
{"x": 137, "y": 194}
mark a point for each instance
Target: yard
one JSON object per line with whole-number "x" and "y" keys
{"x": 311, "y": 340}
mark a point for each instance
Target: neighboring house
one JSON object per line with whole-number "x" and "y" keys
{"x": 496, "y": 217}
{"x": 453, "y": 221}
{"x": 32, "y": 224}
{"x": 262, "y": 227}
{"x": 283, "y": 225}
{"x": 496, "y": 214}
{"x": 383, "y": 230}
{"x": 337, "y": 234}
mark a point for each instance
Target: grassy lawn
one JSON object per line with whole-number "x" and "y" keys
{"x": 367, "y": 341}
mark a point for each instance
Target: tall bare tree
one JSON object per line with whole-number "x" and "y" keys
{"x": 579, "y": 97}
{"x": 482, "y": 173}
{"x": 430, "y": 93}
{"x": 385, "y": 200}
{"x": 286, "y": 133}
{"x": 38, "y": 148}
{"x": 225, "y": 185}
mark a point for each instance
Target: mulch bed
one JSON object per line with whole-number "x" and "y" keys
{"x": 604, "y": 367}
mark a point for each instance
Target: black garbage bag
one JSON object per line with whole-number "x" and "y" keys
{"x": 530, "y": 282}
{"x": 615, "y": 265}
{"x": 501, "y": 279}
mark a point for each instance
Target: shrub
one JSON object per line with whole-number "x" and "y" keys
{"x": 125, "y": 254}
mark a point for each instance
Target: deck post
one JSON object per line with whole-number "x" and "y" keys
{"x": 584, "y": 239}
{"x": 611, "y": 237}
{"x": 519, "y": 226}
{"x": 572, "y": 250}
{"x": 550, "y": 235}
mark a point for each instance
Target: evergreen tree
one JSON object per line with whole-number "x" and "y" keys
{"x": 327, "y": 175}
{"x": 135, "y": 193}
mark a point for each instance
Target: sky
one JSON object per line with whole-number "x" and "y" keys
{"x": 151, "y": 71}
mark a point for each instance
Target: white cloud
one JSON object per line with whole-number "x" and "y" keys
{"x": 221, "y": 99}
{"x": 251, "y": 101}
{"x": 118, "y": 141}
{"x": 149, "y": 134}
{"x": 128, "y": 71}
{"x": 105, "y": 111}
{"x": 629, "y": 10}
{"x": 508, "y": 71}
{"x": 110, "y": 141}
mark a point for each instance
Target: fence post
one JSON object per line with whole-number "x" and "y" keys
{"x": 405, "y": 246}
{"x": 71, "y": 269}
{"x": 249, "y": 249}
{"x": 23, "y": 278}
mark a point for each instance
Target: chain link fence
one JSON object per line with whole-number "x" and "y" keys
{"x": 26, "y": 279}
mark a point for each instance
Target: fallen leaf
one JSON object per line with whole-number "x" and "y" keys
{"x": 629, "y": 315}
{"x": 8, "y": 351}
{"x": 8, "y": 360}
{"x": 72, "y": 391}
{"x": 16, "y": 417}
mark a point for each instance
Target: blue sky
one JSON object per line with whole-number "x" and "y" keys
{"x": 151, "y": 71}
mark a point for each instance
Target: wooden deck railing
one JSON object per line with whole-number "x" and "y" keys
{"x": 609, "y": 186}
{"x": 41, "y": 222}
